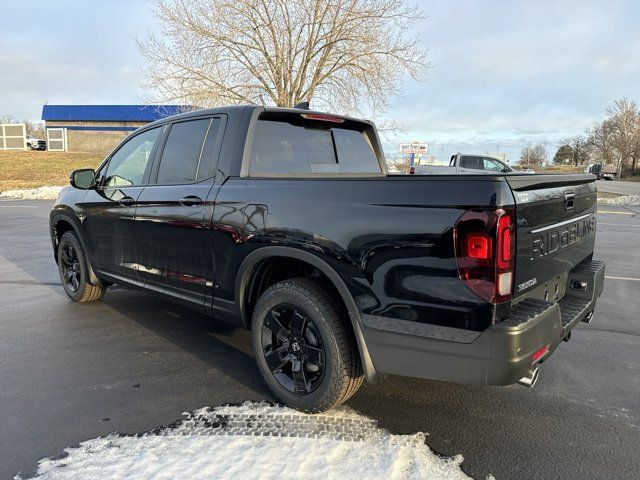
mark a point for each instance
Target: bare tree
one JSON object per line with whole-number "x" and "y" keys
{"x": 344, "y": 55}
{"x": 624, "y": 121}
{"x": 533, "y": 155}
{"x": 580, "y": 148}
{"x": 32, "y": 128}
{"x": 601, "y": 140}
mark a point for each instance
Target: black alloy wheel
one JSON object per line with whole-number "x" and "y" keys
{"x": 304, "y": 347}
{"x": 70, "y": 267}
{"x": 74, "y": 268}
{"x": 293, "y": 349}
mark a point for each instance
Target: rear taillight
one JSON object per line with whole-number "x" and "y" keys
{"x": 485, "y": 250}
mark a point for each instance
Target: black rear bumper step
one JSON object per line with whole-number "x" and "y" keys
{"x": 578, "y": 303}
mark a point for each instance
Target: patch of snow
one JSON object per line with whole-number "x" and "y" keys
{"x": 256, "y": 441}
{"x": 40, "y": 193}
{"x": 623, "y": 200}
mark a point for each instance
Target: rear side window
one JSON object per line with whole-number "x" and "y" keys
{"x": 471, "y": 162}
{"x": 181, "y": 154}
{"x": 314, "y": 148}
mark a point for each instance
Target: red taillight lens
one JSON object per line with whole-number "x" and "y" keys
{"x": 478, "y": 246}
{"x": 485, "y": 252}
{"x": 504, "y": 241}
{"x": 322, "y": 117}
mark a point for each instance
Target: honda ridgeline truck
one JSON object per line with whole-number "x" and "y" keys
{"x": 285, "y": 222}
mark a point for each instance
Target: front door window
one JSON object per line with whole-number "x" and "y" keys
{"x": 129, "y": 162}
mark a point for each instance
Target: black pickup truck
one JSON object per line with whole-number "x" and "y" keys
{"x": 285, "y": 222}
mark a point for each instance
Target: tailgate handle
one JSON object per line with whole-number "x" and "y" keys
{"x": 569, "y": 199}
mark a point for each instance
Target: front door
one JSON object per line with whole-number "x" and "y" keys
{"x": 108, "y": 210}
{"x": 174, "y": 212}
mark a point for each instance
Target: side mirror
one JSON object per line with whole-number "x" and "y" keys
{"x": 84, "y": 179}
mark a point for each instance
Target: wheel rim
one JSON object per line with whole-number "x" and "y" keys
{"x": 293, "y": 349}
{"x": 70, "y": 267}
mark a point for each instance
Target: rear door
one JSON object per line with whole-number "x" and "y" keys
{"x": 555, "y": 230}
{"x": 173, "y": 212}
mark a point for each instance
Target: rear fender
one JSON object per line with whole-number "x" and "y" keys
{"x": 251, "y": 261}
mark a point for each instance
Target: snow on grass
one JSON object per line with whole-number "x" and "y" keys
{"x": 40, "y": 193}
{"x": 621, "y": 200}
{"x": 256, "y": 441}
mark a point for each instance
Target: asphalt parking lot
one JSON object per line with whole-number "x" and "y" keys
{"x": 132, "y": 362}
{"x": 620, "y": 187}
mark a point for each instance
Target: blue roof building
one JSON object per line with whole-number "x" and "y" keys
{"x": 98, "y": 128}
{"x": 110, "y": 113}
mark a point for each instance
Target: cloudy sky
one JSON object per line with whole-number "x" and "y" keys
{"x": 504, "y": 73}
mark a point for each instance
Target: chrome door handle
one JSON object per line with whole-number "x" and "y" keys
{"x": 126, "y": 201}
{"x": 190, "y": 200}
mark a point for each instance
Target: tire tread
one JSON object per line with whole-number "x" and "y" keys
{"x": 90, "y": 292}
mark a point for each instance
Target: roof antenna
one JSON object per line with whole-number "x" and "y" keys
{"x": 302, "y": 105}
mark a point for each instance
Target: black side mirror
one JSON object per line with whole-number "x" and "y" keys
{"x": 84, "y": 179}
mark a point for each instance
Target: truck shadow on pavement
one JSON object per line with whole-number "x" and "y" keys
{"x": 222, "y": 346}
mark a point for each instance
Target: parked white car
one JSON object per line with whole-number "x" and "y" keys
{"x": 469, "y": 163}
{"x": 36, "y": 143}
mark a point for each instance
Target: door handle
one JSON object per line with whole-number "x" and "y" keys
{"x": 126, "y": 201}
{"x": 190, "y": 200}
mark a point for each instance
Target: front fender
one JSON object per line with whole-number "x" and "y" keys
{"x": 65, "y": 214}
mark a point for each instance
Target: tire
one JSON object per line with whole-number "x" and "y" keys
{"x": 74, "y": 270}
{"x": 311, "y": 365}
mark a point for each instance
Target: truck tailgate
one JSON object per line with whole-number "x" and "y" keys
{"x": 555, "y": 231}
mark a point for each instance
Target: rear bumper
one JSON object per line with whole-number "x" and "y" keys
{"x": 502, "y": 354}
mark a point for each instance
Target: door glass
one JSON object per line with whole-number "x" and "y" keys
{"x": 471, "y": 162}
{"x": 490, "y": 164}
{"x": 209, "y": 157}
{"x": 181, "y": 153}
{"x": 128, "y": 164}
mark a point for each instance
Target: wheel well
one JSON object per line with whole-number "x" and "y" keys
{"x": 276, "y": 269}
{"x": 60, "y": 227}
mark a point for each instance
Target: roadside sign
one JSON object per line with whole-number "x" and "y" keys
{"x": 417, "y": 148}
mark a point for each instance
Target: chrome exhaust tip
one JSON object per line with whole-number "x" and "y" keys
{"x": 530, "y": 379}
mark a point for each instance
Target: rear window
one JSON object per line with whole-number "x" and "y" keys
{"x": 471, "y": 162}
{"x": 310, "y": 147}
